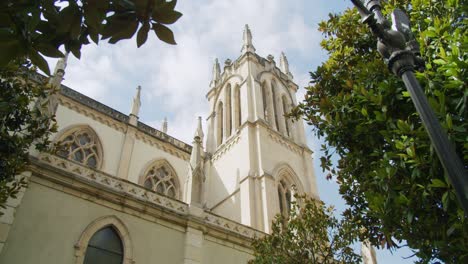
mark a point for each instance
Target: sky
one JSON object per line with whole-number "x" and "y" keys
{"x": 175, "y": 79}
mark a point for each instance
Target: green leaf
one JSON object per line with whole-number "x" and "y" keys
{"x": 445, "y": 200}
{"x": 364, "y": 111}
{"x": 164, "y": 33}
{"x": 142, "y": 34}
{"x": 48, "y": 50}
{"x": 448, "y": 119}
{"x": 39, "y": 61}
{"x": 166, "y": 17}
{"x": 10, "y": 48}
{"x": 436, "y": 183}
{"x": 125, "y": 32}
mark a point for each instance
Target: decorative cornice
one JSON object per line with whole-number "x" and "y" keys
{"x": 225, "y": 147}
{"x": 123, "y": 188}
{"x": 95, "y": 115}
{"x": 119, "y": 121}
{"x": 279, "y": 139}
{"x": 93, "y": 104}
{"x": 163, "y": 145}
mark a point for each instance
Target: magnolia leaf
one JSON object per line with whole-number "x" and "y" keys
{"x": 39, "y": 61}
{"x": 142, "y": 34}
{"x": 164, "y": 33}
{"x": 48, "y": 50}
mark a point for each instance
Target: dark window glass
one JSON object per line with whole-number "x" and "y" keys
{"x": 105, "y": 247}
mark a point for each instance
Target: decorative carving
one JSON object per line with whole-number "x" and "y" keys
{"x": 161, "y": 178}
{"x": 292, "y": 147}
{"x": 226, "y": 147}
{"x": 232, "y": 226}
{"x": 82, "y": 145}
{"x": 115, "y": 184}
{"x": 140, "y": 193}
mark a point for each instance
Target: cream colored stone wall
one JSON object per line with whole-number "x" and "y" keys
{"x": 49, "y": 224}
{"x": 216, "y": 251}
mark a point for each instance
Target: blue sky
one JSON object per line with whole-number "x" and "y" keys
{"x": 175, "y": 79}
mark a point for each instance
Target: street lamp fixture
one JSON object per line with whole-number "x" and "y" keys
{"x": 400, "y": 50}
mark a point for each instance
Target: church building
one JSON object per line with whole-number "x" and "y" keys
{"x": 120, "y": 191}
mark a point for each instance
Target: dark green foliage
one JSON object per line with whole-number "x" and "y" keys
{"x": 312, "y": 234}
{"x": 37, "y": 28}
{"x": 22, "y": 125}
{"x": 388, "y": 172}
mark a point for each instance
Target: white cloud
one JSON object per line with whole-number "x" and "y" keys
{"x": 175, "y": 79}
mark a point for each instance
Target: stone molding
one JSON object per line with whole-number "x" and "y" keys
{"x": 96, "y": 225}
{"x": 114, "y": 183}
{"x": 166, "y": 147}
{"x": 232, "y": 226}
{"x": 292, "y": 147}
{"x": 128, "y": 189}
{"x": 225, "y": 147}
{"x": 97, "y": 116}
{"x": 113, "y": 118}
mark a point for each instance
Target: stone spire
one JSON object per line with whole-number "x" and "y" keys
{"x": 284, "y": 65}
{"x": 216, "y": 73}
{"x": 195, "y": 176}
{"x": 135, "y": 107}
{"x": 56, "y": 80}
{"x": 164, "y": 125}
{"x": 199, "y": 132}
{"x": 248, "y": 46}
{"x": 49, "y": 105}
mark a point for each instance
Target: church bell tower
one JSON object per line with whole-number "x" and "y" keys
{"x": 256, "y": 157}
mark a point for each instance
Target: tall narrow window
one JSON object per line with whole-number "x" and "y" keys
{"x": 275, "y": 109}
{"x": 284, "y": 195}
{"x": 228, "y": 111}
{"x": 237, "y": 103}
{"x": 285, "y": 111}
{"x": 81, "y": 144}
{"x": 161, "y": 178}
{"x": 105, "y": 246}
{"x": 265, "y": 101}
{"x": 219, "y": 114}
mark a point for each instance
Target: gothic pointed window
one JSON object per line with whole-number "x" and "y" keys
{"x": 161, "y": 178}
{"x": 285, "y": 112}
{"x": 284, "y": 195}
{"x": 220, "y": 123}
{"x": 237, "y": 107}
{"x": 275, "y": 108}
{"x": 228, "y": 111}
{"x": 81, "y": 145}
{"x": 265, "y": 102}
{"x": 105, "y": 246}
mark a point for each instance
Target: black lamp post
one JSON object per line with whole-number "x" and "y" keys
{"x": 398, "y": 46}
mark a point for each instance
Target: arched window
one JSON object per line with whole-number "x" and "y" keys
{"x": 285, "y": 196}
{"x": 82, "y": 145}
{"x": 161, "y": 178}
{"x": 237, "y": 104}
{"x": 105, "y": 246}
{"x": 220, "y": 123}
{"x": 265, "y": 102}
{"x": 285, "y": 111}
{"x": 275, "y": 108}
{"x": 228, "y": 111}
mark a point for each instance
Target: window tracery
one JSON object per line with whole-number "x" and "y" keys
{"x": 81, "y": 145}
{"x": 162, "y": 179}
